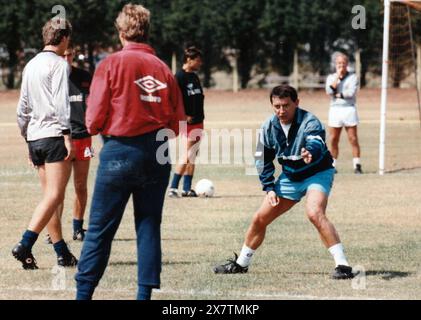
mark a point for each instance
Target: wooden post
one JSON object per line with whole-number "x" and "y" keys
{"x": 419, "y": 65}
{"x": 174, "y": 63}
{"x": 235, "y": 73}
{"x": 357, "y": 57}
{"x": 295, "y": 71}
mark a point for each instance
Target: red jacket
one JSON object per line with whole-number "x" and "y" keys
{"x": 133, "y": 92}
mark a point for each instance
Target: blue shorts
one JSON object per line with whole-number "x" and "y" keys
{"x": 288, "y": 189}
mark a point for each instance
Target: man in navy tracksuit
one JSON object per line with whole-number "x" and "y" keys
{"x": 296, "y": 138}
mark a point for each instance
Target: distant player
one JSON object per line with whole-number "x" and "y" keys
{"x": 342, "y": 87}
{"x": 80, "y": 81}
{"x": 44, "y": 120}
{"x": 193, "y": 99}
{"x": 296, "y": 139}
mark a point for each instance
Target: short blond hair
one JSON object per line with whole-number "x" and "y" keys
{"x": 133, "y": 22}
{"x": 53, "y": 33}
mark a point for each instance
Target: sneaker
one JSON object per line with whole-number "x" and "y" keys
{"x": 79, "y": 235}
{"x": 342, "y": 272}
{"x": 173, "y": 193}
{"x": 190, "y": 193}
{"x": 67, "y": 260}
{"x": 231, "y": 267}
{"x": 47, "y": 239}
{"x": 25, "y": 256}
{"x": 358, "y": 169}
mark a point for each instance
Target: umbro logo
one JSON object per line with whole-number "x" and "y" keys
{"x": 150, "y": 84}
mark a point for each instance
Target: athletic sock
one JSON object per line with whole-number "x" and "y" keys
{"x": 175, "y": 181}
{"x": 356, "y": 161}
{"x": 245, "y": 256}
{"x": 187, "y": 183}
{"x": 144, "y": 292}
{"x": 29, "y": 238}
{"x": 61, "y": 248}
{"x": 338, "y": 254}
{"x": 77, "y": 225}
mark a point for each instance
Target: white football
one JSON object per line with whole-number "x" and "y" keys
{"x": 205, "y": 188}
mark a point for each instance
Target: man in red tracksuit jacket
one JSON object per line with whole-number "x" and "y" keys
{"x": 133, "y": 97}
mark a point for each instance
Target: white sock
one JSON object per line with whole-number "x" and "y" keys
{"x": 338, "y": 254}
{"x": 334, "y": 163}
{"x": 356, "y": 161}
{"x": 245, "y": 256}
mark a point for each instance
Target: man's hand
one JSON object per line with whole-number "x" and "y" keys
{"x": 69, "y": 146}
{"x": 272, "y": 198}
{"x": 30, "y": 163}
{"x": 306, "y": 155}
{"x": 189, "y": 119}
{"x": 336, "y": 81}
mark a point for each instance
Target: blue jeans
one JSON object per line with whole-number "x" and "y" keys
{"x": 128, "y": 166}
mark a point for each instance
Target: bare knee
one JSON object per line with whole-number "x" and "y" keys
{"x": 80, "y": 188}
{"x": 316, "y": 216}
{"x": 334, "y": 140}
{"x": 259, "y": 222}
{"x": 353, "y": 140}
{"x": 54, "y": 197}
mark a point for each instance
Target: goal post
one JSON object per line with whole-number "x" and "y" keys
{"x": 414, "y": 4}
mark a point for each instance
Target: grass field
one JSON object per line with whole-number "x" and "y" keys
{"x": 378, "y": 218}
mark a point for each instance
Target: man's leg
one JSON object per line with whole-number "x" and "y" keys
{"x": 256, "y": 234}
{"x": 181, "y": 168}
{"x": 108, "y": 203}
{"x": 193, "y": 149}
{"x": 53, "y": 178}
{"x": 335, "y": 134}
{"x": 316, "y": 211}
{"x": 148, "y": 202}
{"x": 113, "y": 186}
{"x": 80, "y": 179}
{"x": 64, "y": 257}
{"x": 356, "y": 151}
{"x": 56, "y": 177}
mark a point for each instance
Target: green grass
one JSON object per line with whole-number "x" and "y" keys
{"x": 378, "y": 218}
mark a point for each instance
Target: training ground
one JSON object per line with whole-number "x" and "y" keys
{"x": 378, "y": 217}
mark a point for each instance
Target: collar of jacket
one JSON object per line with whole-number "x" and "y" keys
{"x": 295, "y": 125}
{"x": 139, "y": 46}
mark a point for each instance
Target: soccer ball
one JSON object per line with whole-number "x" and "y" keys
{"x": 205, "y": 188}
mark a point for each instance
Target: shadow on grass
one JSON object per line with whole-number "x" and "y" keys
{"x": 388, "y": 275}
{"x": 125, "y": 239}
{"x": 237, "y": 196}
{"x": 134, "y": 263}
{"x": 403, "y": 170}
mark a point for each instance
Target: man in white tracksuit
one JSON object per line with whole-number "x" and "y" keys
{"x": 43, "y": 115}
{"x": 342, "y": 87}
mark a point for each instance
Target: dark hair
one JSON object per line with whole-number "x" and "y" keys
{"x": 192, "y": 53}
{"x": 53, "y": 33}
{"x": 284, "y": 91}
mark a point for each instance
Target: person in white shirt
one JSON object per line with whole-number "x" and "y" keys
{"x": 43, "y": 115}
{"x": 342, "y": 87}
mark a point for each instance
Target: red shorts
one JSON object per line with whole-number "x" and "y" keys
{"x": 83, "y": 149}
{"x": 194, "y": 131}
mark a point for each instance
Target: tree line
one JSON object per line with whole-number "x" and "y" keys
{"x": 262, "y": 34}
